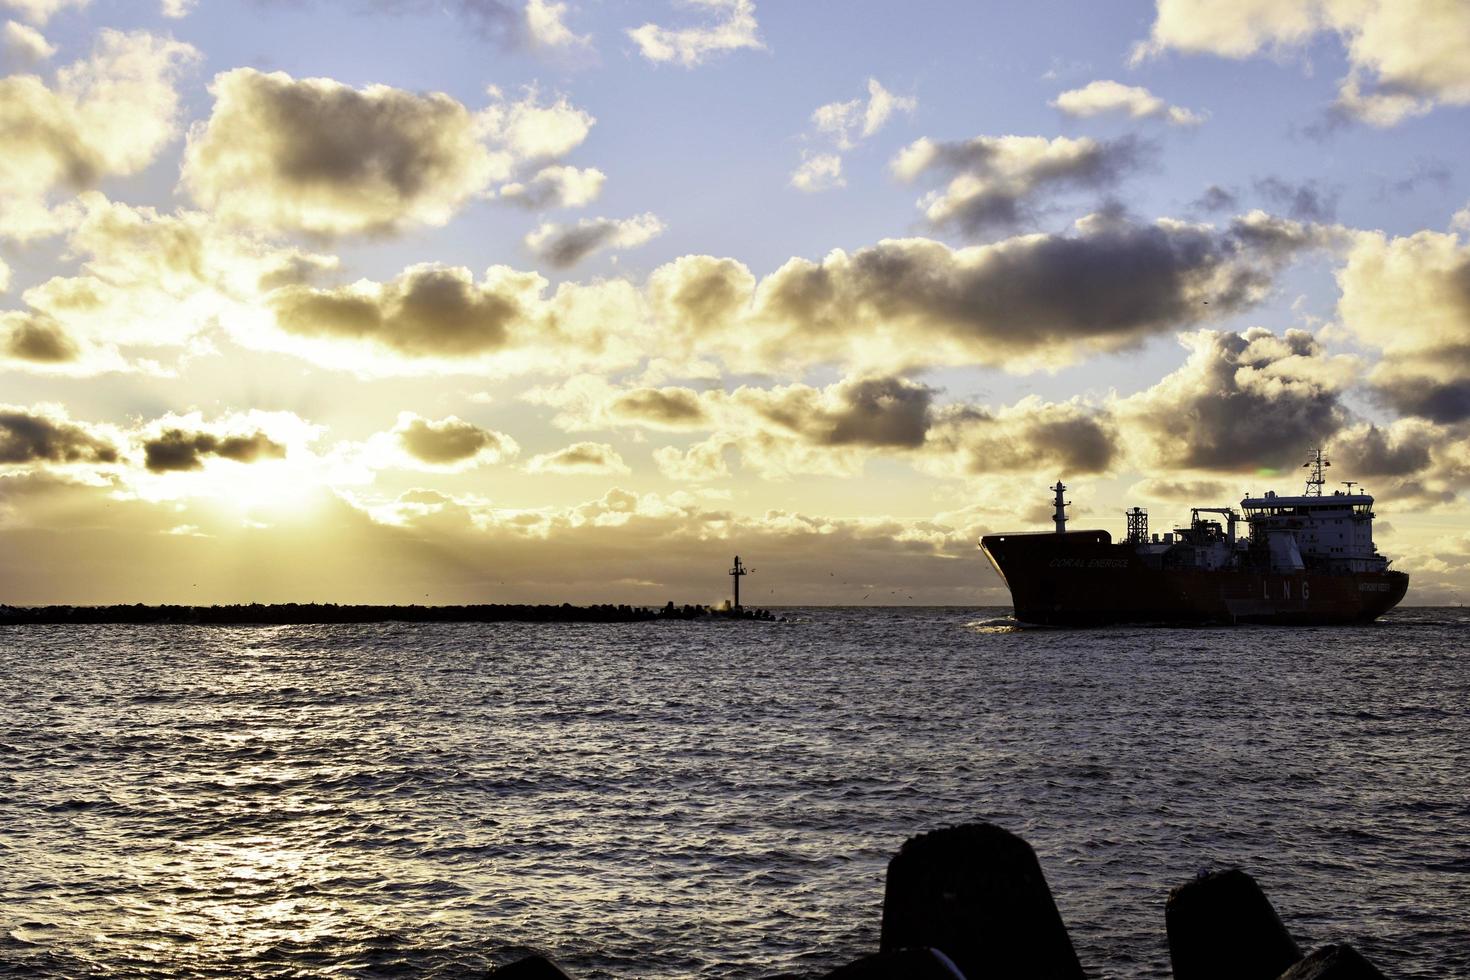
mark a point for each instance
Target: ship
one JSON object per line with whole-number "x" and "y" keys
{"x": 1288, "y": 560}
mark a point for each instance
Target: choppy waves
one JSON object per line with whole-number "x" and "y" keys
{"x": 707, "y": 799}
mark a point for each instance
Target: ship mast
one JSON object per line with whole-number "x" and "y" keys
{"x": 1059, "y": 517}
{"x": 1317, "y": 461}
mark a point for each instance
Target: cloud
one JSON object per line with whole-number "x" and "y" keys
{"x": 1019, "y": 302}
{"x": 589, "y": 458}
{"x": 844, "y": 125}
{"x": 108, "y": 115}
{"x": 865, "y": 411}
{"x": 566, "y": 245}
{"x": 1214, "y": 199}
{"x": 557, "y": 187}
{"x": 427, "y": 311}
{"x": 45, "y": 435}
{"x": 818, "y": 172}
{"x": 999, "y": 181}
{"x": 4, "y": 277}
{"x": 700, "y": 463}
{"x": 734, "y": 28}
{"x": 176, "y": 449}
{"x": 1409, "y": 297}
{"x": 314, "y": 155}
{"x": 589, "y": 402}
{"x": 787, "y": 430}
{"x": 35, "y": 338}
{"x": 177, "y": 9}
{"x": 1241, "y": 402}
{"x": 1022, "y": 303}
{"x": 848, "y": 123}
{"x": 450, "y": 443}
{"x": 1027, "y": 437}
{"x": 1307, "y": 201}
{"x": 528, "y": 130}
{"x": 156, "y": 280}
{"x": 1403, "y": 448}
{"x": 546, "y": 26}
{"x": 23, "y": 46}
{"x": 40, "y": 11}
{"x": 1404, "y": 56}
{"x": 1104, "y": 96}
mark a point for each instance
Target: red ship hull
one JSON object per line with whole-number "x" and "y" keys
{"x": 1080, "y": 578}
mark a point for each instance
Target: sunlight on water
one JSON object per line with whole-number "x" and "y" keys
{"x": 675, "y": 800}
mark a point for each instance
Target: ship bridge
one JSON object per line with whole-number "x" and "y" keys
{"x": 1333, "y": 529}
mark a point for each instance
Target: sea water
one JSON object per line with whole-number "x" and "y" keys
{"x": 709, "y": 799}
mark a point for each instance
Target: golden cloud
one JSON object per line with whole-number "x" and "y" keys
{"x": 108, "y": 115}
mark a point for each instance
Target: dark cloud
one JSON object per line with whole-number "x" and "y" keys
{"x": 572, "y": 244}
{"x": 1424, "y": 171}
{"x": 1306, "y": 201}
{"x": 866, "y": 412}
{"x": 1215, "y": 198}
{"x": 30, "y": 437}
{"x": 1241, "y": 402}
{"x": 1026, "y": 437}
{"x": 566, "y": 245}
{"x": 428, "y": 311}
{"x": 36, "y": 338}
{"x": 1373, "y": 451}
{"x": 318, "y": 156}
{"x": 1104, "y": 288}
{"x": 175, "y": 449}
{"x": 449, "y": 441}
{"x": 667, "y": 407}
{"x": 580, "y": 457}
{"x": 1000, "y": 182}
{"x": 1442, "y": 401}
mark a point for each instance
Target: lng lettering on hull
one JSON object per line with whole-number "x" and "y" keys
{"x": 1307, "y": 559}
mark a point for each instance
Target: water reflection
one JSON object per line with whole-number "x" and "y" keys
{"x": 699, "y": 801}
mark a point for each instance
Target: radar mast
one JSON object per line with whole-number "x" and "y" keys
{"x": 1317, "y": 462}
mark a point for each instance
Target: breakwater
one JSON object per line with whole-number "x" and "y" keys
{"x": 305, "y": 614}
{"x": 971, "y": 902}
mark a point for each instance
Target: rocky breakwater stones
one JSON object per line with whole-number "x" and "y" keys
{"x": 1333, "y": 963}
{"x": 971, "y": 903}
{"x": 1222, "y": 927}
{"x": 976, "y": 893}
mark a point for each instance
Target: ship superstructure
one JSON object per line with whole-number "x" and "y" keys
{"x": 1287, "y": 559}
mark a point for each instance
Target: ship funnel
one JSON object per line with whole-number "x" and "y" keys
{"x": 1059, "y": 517}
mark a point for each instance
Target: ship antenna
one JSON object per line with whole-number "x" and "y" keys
{"x": 1059, "y": 517}
{"x": 1317, "y": 461}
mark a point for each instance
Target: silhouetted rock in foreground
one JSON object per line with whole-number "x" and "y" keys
{"x": 294, "y": 613}
{"x": 977, "y": 894}
{"x": 1222, "y": 927}
{"x": 970, "y": 903}
{"x": 530, "y": 968}
{"x": 900, "y": 964}
{"x": 1333, "y": 963}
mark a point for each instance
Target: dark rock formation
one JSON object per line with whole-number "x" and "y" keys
{"x": 977, "y": 894}
{"x": 1222, "y": 927}
{"x": 1333, "y": 963}
{"x": 529, "y": 968}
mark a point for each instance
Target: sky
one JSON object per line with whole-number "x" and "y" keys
{"x": 450, "y": 301}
